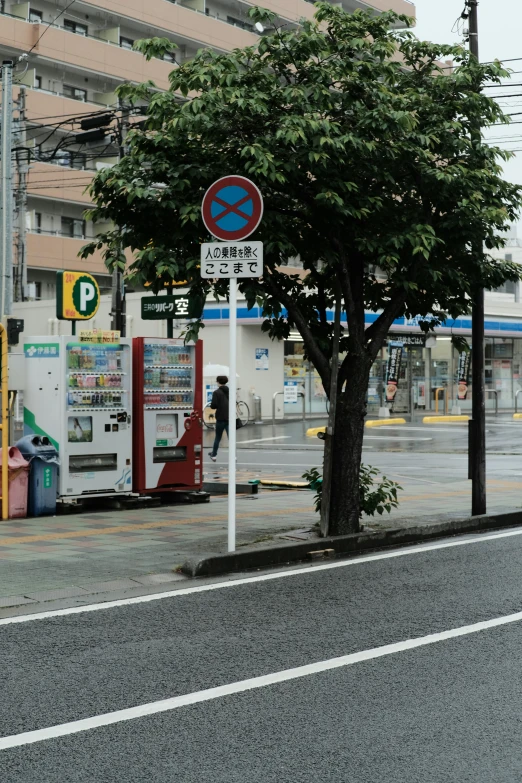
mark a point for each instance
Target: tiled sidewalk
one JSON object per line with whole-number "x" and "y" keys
{"x": 81, "y": 554}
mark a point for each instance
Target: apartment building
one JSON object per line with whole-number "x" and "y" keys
{"x": 77, "y": 54}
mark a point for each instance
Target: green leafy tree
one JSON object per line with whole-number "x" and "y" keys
{"x": 366, "y": 155}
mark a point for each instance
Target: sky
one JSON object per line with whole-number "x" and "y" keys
{"x": 500, "y": 25}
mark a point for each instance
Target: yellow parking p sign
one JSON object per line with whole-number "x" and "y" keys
{"x": 77, "y": 296}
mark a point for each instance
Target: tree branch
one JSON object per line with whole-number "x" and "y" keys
{"x": 354, "y": 308}
{"x": 376, "y": 332}
{"x": 315, "y": 354}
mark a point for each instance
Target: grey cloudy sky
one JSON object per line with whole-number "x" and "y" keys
{"x": 500, "y": 25}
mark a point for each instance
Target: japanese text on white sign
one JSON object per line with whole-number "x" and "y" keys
{"x": 231, "y": 259}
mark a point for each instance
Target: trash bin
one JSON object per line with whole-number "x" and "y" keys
{"x": 43, "y": 481}
{"x": 18, "y": 472}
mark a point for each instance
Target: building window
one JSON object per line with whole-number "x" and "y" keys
{"x": 34, "y": 291}
{"x": 70, "y": 160}
{"x": 75, "y": 27}
{"x": 76, "y": 93}
{"x": 168, "y": 57}
{"x": 35, "y": 16}
{"x": 72, "y": 227}
{"x": 508, "y": 256}
{"x": 509, "y": 287}
{"x": 38, "y": 82}
{"x": 126, "y": 43}
{"x": 38, "y": 222}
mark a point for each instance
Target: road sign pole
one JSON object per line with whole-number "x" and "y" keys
{"x": 231, "y": 210}
{"x": 232, "y": 386}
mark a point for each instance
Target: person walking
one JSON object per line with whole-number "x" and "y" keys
{"x": 219, "y": 404}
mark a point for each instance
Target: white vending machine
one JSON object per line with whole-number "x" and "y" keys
{"x": 79, "y": 395}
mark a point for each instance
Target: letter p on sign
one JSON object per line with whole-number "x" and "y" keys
{"x": 87, "y": 294}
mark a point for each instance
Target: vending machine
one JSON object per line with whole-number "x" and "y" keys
{"x": 168, "y": 435}
{"x": 79, "y": 394}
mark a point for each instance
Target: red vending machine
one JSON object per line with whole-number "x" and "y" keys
{"x": 167, "y": 425}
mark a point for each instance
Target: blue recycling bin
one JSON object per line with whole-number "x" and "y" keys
{"x": 43, "y": 478}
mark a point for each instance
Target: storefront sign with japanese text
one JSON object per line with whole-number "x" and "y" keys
{"x": 394, "y": 369}
{"x": 463, "y": 375}
{"x": 176, "y": 306}
{"x": 410, "y": 339}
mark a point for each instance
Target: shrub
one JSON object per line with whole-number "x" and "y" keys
{"x": 376, "y": 496}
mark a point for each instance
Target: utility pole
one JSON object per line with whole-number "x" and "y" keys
{"x": 6, "y": 192}
{"x": 477, "y": 425}
{"x": 118, "y": 308}
{"x": 22, "y": 162}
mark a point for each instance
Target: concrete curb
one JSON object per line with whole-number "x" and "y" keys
{"x": 214, "y": 565}
{"x": 221, "y": 488}
{"x": 443, "y": 419}
{"x": 383, "y": 422}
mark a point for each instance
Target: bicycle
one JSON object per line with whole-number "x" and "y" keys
{"x": 242, "y": 413}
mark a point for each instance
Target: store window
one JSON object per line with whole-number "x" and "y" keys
{"x": 302, "y": 378}
{"x": 76, "y": 93}
{"x": 73, "y": 227}
{"x": 75, "y": 27}
{"x": 503, "y": 359}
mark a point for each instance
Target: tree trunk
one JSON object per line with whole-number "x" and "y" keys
{"x": 347, "y": 450}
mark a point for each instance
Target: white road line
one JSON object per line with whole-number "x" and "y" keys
{"x": 258, "y": 440}
{"x": 416, "y": 478}
{"x": 141, "y": 599}
{"x": 254, "y": 683}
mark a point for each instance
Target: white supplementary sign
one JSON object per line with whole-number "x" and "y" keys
{"x": 231, "y": 259}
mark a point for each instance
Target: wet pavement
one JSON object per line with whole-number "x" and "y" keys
{"x": 123, "y": 552}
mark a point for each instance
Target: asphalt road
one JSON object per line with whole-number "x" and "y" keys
{"x": 326, "y": 699}
{"x": 503, "y": 435}
{"x": 435, "y": 454}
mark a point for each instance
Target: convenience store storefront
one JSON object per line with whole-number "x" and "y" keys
{"x": 427, "y": 364}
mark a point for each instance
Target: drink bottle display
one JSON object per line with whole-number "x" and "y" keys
{"x": 167, "y": 376}
{"x": 167, "y": 414}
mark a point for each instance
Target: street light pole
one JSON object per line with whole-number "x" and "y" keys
{"x": 477, "y": 425}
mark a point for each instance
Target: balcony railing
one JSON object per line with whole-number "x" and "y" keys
{"x": 236, "y": 23}
{"x": 67, "y": 30}
{"x": 59, "y": 233}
